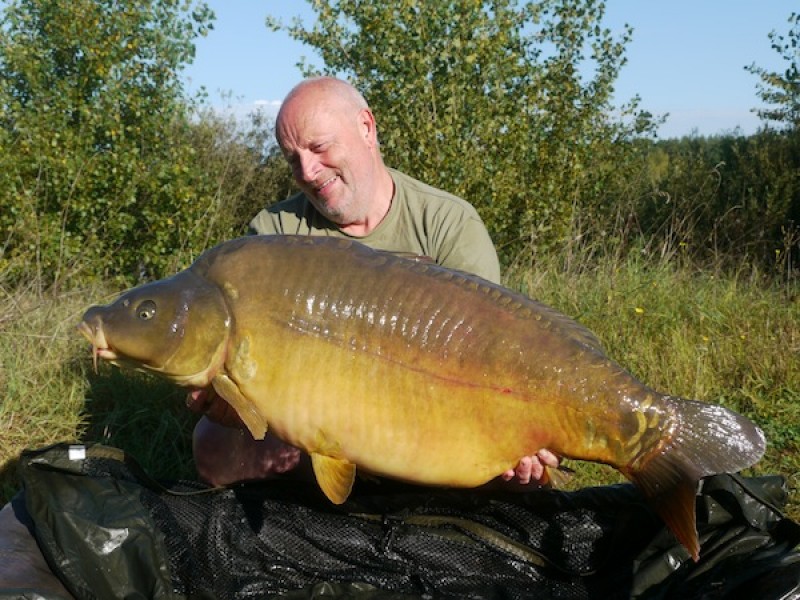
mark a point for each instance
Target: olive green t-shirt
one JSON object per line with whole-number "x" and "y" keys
{"x": 422, "y": 220}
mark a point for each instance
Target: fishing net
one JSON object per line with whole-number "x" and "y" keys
{"x": 108, "y": 530}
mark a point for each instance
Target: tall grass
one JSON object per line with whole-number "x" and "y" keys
{"x": 50, "y": 392}
{"x": 42, "y": 384}
{"x": 729, "y": 337}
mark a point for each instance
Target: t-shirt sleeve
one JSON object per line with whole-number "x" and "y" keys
{"x": 471, "y": 249}
{"x": 264, "y": 223}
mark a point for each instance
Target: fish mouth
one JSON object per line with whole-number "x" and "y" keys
{"x": 100, "y": 347}
{"x": 101, "y": 350}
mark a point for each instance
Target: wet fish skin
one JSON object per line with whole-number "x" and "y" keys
{"x": 412, "y": 371}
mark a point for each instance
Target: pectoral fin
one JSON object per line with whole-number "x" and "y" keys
{"x": 228, "y": 390}
{"x": 335, "y": 476}
{"x": 557, "y": 477}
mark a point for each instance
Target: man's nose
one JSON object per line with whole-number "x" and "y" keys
{"x": 309, "y": 167}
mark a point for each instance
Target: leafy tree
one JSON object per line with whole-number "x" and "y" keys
{"x": 782, "y": 90}
{"x": 94, "y": 168}
{"x": 242, "y": 158}
{"x": 506, "y": 103}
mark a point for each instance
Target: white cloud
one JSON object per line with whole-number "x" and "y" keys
{"x": 241, "y": 111}
{"x": 269, "y": 105}
{"x": 709, "y": 121}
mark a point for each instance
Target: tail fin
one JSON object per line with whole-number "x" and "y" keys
{"x": 707, "y": 440}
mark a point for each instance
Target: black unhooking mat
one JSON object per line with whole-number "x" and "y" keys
{"x": 109, "y": 531}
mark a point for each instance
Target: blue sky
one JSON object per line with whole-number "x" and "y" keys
{"x": 687, "y": 57}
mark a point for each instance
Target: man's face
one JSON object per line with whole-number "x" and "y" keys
{"x": 328, "y": 145}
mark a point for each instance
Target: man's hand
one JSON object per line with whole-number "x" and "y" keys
{"x": 531, "y": 469}
{"x": 225, "y": 452}
{"x": 225, "y": 455}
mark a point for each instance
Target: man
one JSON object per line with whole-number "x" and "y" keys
{"x": 327, "y": 134}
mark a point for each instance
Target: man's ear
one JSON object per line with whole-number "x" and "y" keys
{"x": 366, "y": 125}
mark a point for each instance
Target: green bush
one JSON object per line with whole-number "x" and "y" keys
{"x": 718, "y": 199}
{"x": 95, "y": 168}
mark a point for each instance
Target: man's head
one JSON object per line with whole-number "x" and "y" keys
{"x": 327, "y": 133}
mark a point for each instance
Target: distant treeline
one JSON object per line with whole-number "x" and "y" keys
{"x": 723, "y": 198}
{"x": 108, "y": 170}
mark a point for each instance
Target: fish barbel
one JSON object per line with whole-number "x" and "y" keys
{"x": 409, "y": 370}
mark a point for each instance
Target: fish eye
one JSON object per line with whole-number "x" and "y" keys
{"x": 146, "y": 310}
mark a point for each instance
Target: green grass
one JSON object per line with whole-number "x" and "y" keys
{"x": 42, "y": 384}
{"x": 731, "y": 338}
{"x": 50, "y": 392}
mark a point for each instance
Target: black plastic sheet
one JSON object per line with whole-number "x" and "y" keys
{"x": 109, "y": 531}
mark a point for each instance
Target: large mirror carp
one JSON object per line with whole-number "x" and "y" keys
{"x": 409, "y": 370}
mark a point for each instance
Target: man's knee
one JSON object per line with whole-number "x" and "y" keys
{"x": 22, "y": 566}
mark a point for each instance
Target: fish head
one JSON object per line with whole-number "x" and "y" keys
{"x": 176, "y": 327}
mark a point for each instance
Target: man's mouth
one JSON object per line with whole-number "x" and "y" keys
{"x": 326, "y": 183}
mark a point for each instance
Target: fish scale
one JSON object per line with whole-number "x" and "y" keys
{"x": 409, "y": 370}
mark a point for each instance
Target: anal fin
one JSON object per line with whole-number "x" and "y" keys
{"x": 557, "y": 477}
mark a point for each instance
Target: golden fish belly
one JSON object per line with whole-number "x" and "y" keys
{"x": 395, "y": 419}
{"x": 399, "y": 412}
